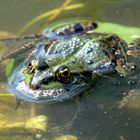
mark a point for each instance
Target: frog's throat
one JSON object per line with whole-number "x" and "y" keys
{"x": 39, "y": 93}
{"x": 43, "y": 94}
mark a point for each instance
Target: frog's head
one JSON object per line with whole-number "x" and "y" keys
{"x": 42, "y": 74}
{"x": 39, "y": 82}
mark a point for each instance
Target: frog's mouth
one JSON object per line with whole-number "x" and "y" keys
{"x": 54, "y": 91}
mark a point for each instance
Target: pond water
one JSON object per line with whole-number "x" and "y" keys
{"x": 98, "y": 114}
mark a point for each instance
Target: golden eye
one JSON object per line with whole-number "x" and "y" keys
{"x": 63, "y": 74}
{"x": 31, "y": 67}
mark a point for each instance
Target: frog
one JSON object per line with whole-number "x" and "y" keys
{"x": 69, "y": 61}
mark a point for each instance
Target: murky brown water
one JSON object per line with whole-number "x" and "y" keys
{"x": 97, "y": 115}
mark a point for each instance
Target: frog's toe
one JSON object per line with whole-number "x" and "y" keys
{"x": 133, "y": 51}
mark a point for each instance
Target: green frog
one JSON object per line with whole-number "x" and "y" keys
{"x": 70, "y": 61}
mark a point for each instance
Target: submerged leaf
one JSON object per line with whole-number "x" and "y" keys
{"x": 4, "y": 34}
{"x": 32, "y": 125}
{"x": 124, "y": 32}
{"x": 38, "y": 123}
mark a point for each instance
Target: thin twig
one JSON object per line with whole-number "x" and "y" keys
{"x": 126, "y": 99}
{"x": 56, "y": 14}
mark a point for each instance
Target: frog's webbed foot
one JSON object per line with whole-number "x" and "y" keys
{"x": 17, "y": 52}
{"x": 123, "y": 67}
{"x": 96, "y": 75}
{"x": 133, "y": 54}
{"x": 18, "y": 47}
{"x": 123, "y": 71}
{"x": 133, "y": 51}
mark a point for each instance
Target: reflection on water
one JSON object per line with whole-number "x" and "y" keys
{"x": 100, "y": 114}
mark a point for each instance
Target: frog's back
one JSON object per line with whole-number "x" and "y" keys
{"x": 88, "y": 52}
{"x": 65, "y": 49}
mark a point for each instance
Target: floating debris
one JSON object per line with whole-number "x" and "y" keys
{"x": 131, "y": 96}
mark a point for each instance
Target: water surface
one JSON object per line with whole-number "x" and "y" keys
{"x": 97, "y": 114}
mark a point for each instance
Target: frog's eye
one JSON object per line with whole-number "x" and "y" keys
{"x": 64, "y": 71}
{"x": 63, "y": 74}
{"x": 36, "y": 65}
{"x": 31, "y": 68}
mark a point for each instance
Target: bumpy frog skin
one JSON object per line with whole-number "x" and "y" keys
{"x": 69, "y": 63}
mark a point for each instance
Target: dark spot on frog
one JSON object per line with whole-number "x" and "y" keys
{"x": 46, "y": 81}
{"x": 114, "y": 48}
{"x": 61, "y": 33}
{"x": 106, "y": 53}
{"x": 113, "y": 62}
{"x": 42, "y": 65}
{"x": 94, "y": 24}
{"x": 89, "y": 49}
{"x": 72, "y": 62}
{"x": 58, "y": 91}
{"x": 55, "y": 93}
{"x": 111, "y": 38}
{"x": 120, "y": 58}
{"x": 57, "y": 51}
{"x": 78, "y": 28}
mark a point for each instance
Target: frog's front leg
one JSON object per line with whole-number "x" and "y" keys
{"x": 114, "y": 51}
{"x": 28, "y": 42}
{"x": 132, "y": 55}
{"x": 118, "y": 49}
{"x": 102, "y": 72}
{"x": 17, "y": 52}
{"x": 69, "y": 29}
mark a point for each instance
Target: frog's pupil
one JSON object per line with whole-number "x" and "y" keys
{"x": 106, "y": 53}
{"x": 65, "y": 73}
{"x": 30, "y": 64}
